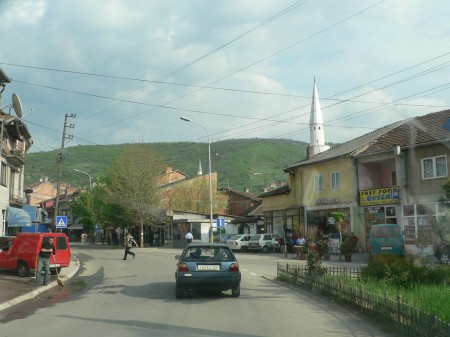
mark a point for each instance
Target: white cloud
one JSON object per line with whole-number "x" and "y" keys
{"x": 158, "y": 40}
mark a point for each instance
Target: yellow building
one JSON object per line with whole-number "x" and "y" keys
{"x": 394, "y": 174}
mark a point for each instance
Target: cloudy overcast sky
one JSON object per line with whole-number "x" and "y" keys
{"x": 241, "y": 68}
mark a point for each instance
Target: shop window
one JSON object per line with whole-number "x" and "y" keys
{"x": 434, "y": 167}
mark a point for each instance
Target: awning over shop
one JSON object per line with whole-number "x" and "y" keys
{"x": 17, "y": 217}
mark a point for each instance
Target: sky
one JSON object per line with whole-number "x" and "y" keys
{"x": 126, "y": 71}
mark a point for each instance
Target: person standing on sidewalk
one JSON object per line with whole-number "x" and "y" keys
{"x": 189, "y": 237}
{"x": 129, "y": 242}
{"x": 47, "y": 249}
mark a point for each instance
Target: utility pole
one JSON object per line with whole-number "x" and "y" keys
{"x": 61, "y": 162}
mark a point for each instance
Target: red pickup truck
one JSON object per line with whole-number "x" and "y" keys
{"x": 21, "y": 252}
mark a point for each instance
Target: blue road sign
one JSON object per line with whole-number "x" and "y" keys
{"x": 220, "y": 222}
{"x": 61, "y": 221}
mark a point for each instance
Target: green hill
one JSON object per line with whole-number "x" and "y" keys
{"x": 240, "y": 163}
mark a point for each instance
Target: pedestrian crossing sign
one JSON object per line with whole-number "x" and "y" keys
{"x": 61, "y": 221}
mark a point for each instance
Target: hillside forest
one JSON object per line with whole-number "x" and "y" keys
{"x": 241, "y": 164}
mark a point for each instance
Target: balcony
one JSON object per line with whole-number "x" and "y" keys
{"x": 17, "y": 198}
{"x": 15, "y": 156}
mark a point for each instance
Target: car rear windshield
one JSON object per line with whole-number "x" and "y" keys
{"x": 385, "y": 231}
{"x": 206, "y": 253}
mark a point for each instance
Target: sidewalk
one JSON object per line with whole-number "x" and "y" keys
{"x": 358, "y": 260}
{"x": 14, "y": 289}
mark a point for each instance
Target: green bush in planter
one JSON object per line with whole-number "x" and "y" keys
{"x": 346, "y": 247}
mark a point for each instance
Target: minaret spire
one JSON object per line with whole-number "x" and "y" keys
{"x": 316, "y": 131}
{"x": 200, "y": 171}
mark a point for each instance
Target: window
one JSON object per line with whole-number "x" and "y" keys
{"x": 335, "y": 181}
{"x": 3, "y": 175}
{"x": 318, "y": 183}
{"x": 434, "y": 167}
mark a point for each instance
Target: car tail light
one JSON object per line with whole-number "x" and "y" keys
{"x": 182, "y": 267}
{"x": 234, "y": 267}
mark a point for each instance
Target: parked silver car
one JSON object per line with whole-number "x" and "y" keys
{"x": 239, "y": 242}
{"x": 268, "y": 242}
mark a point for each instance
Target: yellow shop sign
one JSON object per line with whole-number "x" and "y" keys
{"x": 379, "y": 196}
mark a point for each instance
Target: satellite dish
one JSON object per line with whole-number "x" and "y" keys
{"x": 17, "y": 105}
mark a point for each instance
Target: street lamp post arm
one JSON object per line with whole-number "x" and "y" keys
{"x": 90, "y": 178}
{"x": 210, "y": 179}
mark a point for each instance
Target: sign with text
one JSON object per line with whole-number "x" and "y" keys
{"x": 379, "y": 196}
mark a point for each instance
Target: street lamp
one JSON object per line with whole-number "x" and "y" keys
{"x": 90, "y": 178}
{"x": 210, "y": 182}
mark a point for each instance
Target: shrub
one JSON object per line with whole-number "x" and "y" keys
{"x": 401, "y": 273}
{"x": 314, "y": 265}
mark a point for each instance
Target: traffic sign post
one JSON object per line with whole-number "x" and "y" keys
{"x": 220, "y": 222}
{"x": 61, "y": 221}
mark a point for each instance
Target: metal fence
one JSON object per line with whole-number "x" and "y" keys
{"x": 393, "y": 312}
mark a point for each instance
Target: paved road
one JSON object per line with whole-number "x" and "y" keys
{"x": 15, "y": 289}
{"x": 111, "y": 297}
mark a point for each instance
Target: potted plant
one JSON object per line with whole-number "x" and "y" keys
{"x": 311, "y": 240}
{"x": 346, "y": 249}
{"x": 303, "y": 250}
{"x": 325, "y": 248}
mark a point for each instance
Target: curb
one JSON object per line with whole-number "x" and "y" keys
{"x": 32, "y": 294}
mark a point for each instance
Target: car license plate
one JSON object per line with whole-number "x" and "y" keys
{"x": 386, "y": 248}
{"x": 208, "y": 267}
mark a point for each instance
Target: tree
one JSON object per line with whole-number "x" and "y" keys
{"x": 193, "y": 196}
{"x": 89, "y": 208}
{"x": 131, "y": 182}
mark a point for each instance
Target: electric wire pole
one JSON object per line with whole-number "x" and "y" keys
{"x": 61, "y": 162}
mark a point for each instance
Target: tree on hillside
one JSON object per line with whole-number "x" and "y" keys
{"x": 131, "y": 182}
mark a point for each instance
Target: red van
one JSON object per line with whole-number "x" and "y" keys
{"x": 21, "y": 252}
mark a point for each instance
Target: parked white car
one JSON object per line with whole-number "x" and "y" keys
{"x": 239, "y": 242}
{"x": 268, "y": 242}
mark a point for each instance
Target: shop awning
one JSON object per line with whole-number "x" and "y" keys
{"x": 17, "y": 217}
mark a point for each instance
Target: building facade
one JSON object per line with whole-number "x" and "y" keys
{"x": 15, "y": 142}
{"x": 394, "y": 174}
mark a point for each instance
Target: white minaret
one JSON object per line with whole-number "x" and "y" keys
{"x": 316, "y": 132}
{"x": 200, "y": 171}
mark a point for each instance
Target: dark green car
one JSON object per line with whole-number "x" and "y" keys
{"x": 207, "y": 266}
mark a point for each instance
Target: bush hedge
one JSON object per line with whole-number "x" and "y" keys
{"x": 399, "y": 272}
